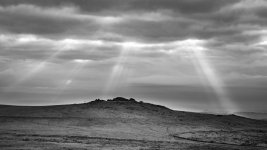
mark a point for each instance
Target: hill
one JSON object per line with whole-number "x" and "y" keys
{"x": 253, "y": 115}
{"x": 123, "y": 123}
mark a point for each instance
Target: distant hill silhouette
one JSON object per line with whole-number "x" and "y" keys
{"x": 253, "y": 115}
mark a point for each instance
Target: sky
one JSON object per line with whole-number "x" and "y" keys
{"x": 192, "y": 55}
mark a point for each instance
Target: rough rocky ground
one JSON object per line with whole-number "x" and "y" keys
{"x": 125, "y": 124}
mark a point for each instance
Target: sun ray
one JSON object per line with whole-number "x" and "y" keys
{"x": 203, "y": 66}
{"x": 80, "y": 64}
{"x": 59, "y": 47}
{"x": 40, "y": 66}
{"x": 118, "y": 69}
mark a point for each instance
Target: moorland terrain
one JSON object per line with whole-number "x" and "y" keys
{"x": 121, "y": 124}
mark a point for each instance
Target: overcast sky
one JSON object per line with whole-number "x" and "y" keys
{"x": 196, "y": 55}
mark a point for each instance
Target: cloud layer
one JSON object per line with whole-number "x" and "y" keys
{"x": 173, "y": 52}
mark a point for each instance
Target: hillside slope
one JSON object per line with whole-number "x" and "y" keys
{"x": 122, "y": 118}
{"x": 253, "y": 115}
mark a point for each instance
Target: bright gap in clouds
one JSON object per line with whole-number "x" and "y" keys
{"x": 205, "y": 69}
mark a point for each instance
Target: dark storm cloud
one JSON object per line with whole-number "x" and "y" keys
{"x": 36, "y": 20}
{"x": 183, "y": 6}
{"x": 186, "y": 6}
{"x": 41, "y": 17}
{"x": 176, "y": 29}
{"x": 153, "y": 31}
{"x": 148, "y": 20}
{"x": 85, "y": 5}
